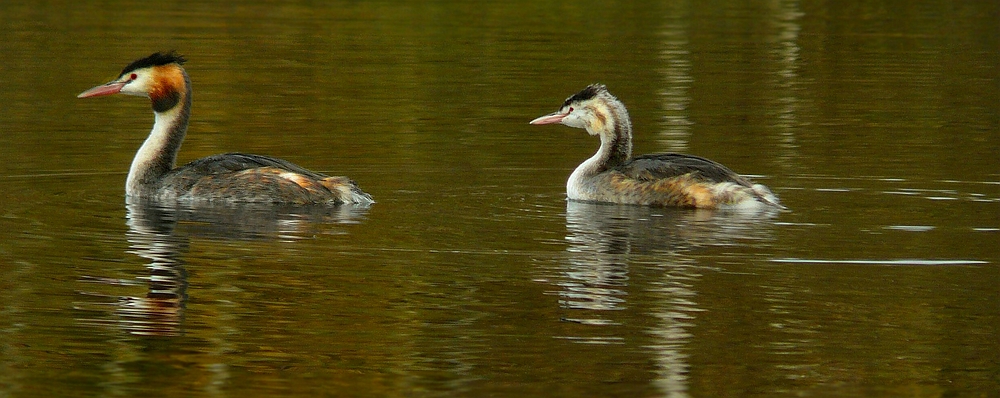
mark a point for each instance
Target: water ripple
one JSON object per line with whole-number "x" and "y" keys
{"x": 911, "y": 261}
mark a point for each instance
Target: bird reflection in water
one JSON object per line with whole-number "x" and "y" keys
{"x": 151, "y": 237}
{"x": 160, "y": 234}
{"x": 602, "y": 238}
{"x": 606, "y": 242}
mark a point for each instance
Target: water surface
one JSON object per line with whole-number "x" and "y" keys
{"x": 877, "y": 124}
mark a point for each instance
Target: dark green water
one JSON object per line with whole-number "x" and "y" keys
{"x": 877, "y": 123}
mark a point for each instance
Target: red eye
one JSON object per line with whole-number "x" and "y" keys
{"x": 134, "y": 76}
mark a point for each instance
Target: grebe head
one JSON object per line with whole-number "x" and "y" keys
{"x": 158, "y": 77}
{"x": 593, "y": 109}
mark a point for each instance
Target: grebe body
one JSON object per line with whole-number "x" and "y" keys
{"x": 612, "y": 175}
{"x": 230, "y": 177}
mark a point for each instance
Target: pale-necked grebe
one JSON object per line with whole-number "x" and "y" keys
{"x": 668, "y": 179}
{"x": 230, "y": 177}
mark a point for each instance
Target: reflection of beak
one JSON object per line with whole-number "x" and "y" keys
{"x": 102, "y": 90}
{"x": 554, "y": 117}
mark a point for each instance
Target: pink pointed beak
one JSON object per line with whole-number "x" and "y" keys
{"x": 102, "y": 90}
{"x": 551, "y": 118}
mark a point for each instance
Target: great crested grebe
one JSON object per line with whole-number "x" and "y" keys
{"x": 230, "y": 177}
{"x": 667, "y": 179}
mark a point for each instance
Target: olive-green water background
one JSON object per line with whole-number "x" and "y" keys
{"x": 876, "y": 122}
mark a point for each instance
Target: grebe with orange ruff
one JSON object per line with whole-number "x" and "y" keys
{"x": 230, "y": 177}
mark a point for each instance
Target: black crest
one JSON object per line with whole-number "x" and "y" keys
{"x": 154, "y": 59}
{"x": 590, "y": 92}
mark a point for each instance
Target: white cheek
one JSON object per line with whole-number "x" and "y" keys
{"x": 137, "y": 87}
{"x": 574, "y": 120}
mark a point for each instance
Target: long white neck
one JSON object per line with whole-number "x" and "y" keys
{"x": 589, "y": 168}
{"x": 158, "y": 154}
{"x": 615, "y": 130}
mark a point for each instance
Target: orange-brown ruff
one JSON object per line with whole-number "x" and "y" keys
{"x": 667, "y": 179}
{"x": 231, "y": 177}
